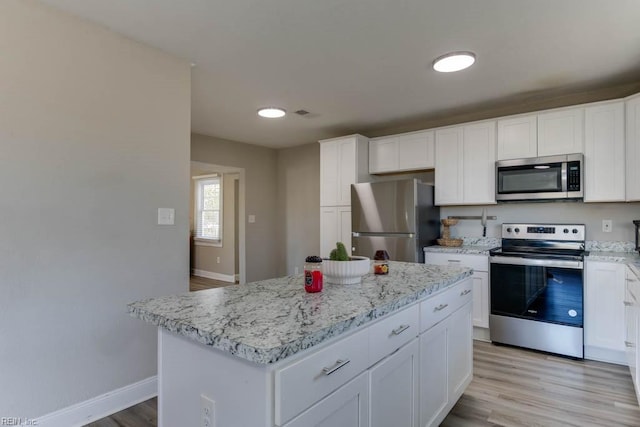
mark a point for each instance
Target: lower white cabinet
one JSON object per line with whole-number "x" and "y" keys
{"x": 604, "y": 311}
{"x": 480, "y": 265}
{"x": 446, "y": 365}
{"x": 335, "y": 226}
{"x": 394, "y": 389}
{"x": 632, "y": 327}
{"x": 346, "y": 407}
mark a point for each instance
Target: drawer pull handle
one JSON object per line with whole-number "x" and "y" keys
{"x": 400, "y": 329}
{"x": 453, "y": 260}
{"x": 441, "y": 307}
{"x": 629, "y": 344}
{"x": 339, "y": 364}
{"x": 465, "y": 292}
{"x": 628, "y": 304}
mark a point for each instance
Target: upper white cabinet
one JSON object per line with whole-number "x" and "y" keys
{"x": 561, "y": 132}
{"x": 343, "y": 161}
{"x": 542, "y": 134}
{"x": 604, "y": 152}
{"x": 517, "y": 137}
{"x": 465, "y": 164}
{"x": 400, "y": 153}
{"x": 633, "y": 148}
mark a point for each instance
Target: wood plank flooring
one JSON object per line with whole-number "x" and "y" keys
{"x": 510, "y": 387}
{"x": 197, "y": 283}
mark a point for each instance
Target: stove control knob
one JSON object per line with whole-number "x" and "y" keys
{"x": 517, "y": 230}
{"x": 575, "y": 231}
{"x": 509, "y": 230}
{"x": 566, "y": 230}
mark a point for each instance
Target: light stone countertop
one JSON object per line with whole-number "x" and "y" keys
{"x": 464, "y": 249}
{"x": 269, "y": 320}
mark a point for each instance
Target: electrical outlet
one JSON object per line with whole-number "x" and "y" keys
{"x": 207, "y": 412}
{"x": 296, "y": 270}
{"x": 607, "y": 225}
{"x": 218, "y": 260}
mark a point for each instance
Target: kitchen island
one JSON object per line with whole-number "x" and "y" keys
{"x": 393, "y": 350}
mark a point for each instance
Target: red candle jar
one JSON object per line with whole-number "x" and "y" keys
{"x": 381, "y": 262}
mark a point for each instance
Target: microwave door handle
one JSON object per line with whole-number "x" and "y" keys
{"x": 563, "y": 177}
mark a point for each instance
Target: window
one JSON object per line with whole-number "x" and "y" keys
{"x": 208, "y": 209}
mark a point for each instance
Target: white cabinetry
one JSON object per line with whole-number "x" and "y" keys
{"x": 561, "y": 132}
{"x": 394, "y": 389}
{"x": 335, "y": 223}
{"x": 632, "y": 327}
{"x": 446, "y": 361}
{"x": 465, "y": 164}
{"x": 604, "y": 327}
{"x": 400, "y": 153}
{"x": 348, "y": 406}
{"x": 480, "y": 278}
{"x": 604, "y": 152}
{"x": 542, "y": 134}
{"x": 343, "y": 161}
{"x": 517, "y": 137}
{"x": 633, "y": 148}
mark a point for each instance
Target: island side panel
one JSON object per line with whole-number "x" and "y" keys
{"x": 242, "y": 390}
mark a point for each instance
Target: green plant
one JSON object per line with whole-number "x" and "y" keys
{"x": 339, "y": 253}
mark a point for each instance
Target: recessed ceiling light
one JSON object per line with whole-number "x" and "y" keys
{"x": 454, "y": 61}
{"x": 271, "y": 112}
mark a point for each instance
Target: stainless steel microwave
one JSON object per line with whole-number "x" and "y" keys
{"x": 540, "y": 178}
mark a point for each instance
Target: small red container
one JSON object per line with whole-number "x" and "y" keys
{"x": 313, "y": 274}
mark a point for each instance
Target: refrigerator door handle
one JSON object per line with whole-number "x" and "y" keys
{"x": 363, "y": 234}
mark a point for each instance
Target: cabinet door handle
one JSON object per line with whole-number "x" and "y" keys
{"x": 441, "y": 307}
{"x": 339, "y": 364}
{"x": 629, "y": 344}
{"x": 628, "y": 304}
{"x": 465, "y": 292}
{"x": 453, "y": 260}
{"x": 400, "y": 329}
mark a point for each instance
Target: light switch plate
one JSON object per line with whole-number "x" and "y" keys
{"x": 166, "y": 216}
{"x": 252, "y": 219}
{"x": 607, "y": 225}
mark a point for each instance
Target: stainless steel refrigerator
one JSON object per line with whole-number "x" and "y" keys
{"x": 396, "y": 216}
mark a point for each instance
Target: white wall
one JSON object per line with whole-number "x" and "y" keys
{"x": 590, "y": 214}
{"x": 94, "y": 137}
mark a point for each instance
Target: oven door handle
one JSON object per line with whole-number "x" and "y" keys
{"x": 575, "y": 265}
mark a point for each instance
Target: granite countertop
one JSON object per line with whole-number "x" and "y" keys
{"x": 632, "y": 259}
{"x": 269, "y": 320}
{"x": 464, "y": 249}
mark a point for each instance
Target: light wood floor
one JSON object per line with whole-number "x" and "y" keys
{"x": 510, "y": 387}
{"x": 197, "y": 283}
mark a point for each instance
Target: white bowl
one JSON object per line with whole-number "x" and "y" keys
{"x": 345, "y": 272}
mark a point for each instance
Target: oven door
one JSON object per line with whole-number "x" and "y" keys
{"x": 536, "y": 289}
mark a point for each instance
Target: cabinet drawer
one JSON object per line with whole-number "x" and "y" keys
{"x": 462, "y": 294}
{"x": 308, "y": 380}
{"x": 393, "y": 332}
{"x": 436, "y": 308}
{"x": 477, "y": 262}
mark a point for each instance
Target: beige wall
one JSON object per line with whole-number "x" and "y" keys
{"x": 263, "y": 244}
{"x": 298, "y": 205}
{"x": 94, "y": 130}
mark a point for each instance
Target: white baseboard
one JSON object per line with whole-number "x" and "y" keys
{"x": 101, "y": 406}
{"x": 618, "y": 357}
{"x": 212, "y": 275}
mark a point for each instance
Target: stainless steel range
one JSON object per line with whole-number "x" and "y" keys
{"x": 537, "y": 288}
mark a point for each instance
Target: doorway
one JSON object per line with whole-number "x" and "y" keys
{"x": 215, "y": 264}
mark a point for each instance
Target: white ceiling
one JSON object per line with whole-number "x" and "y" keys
{"x": 361, "y": 65}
